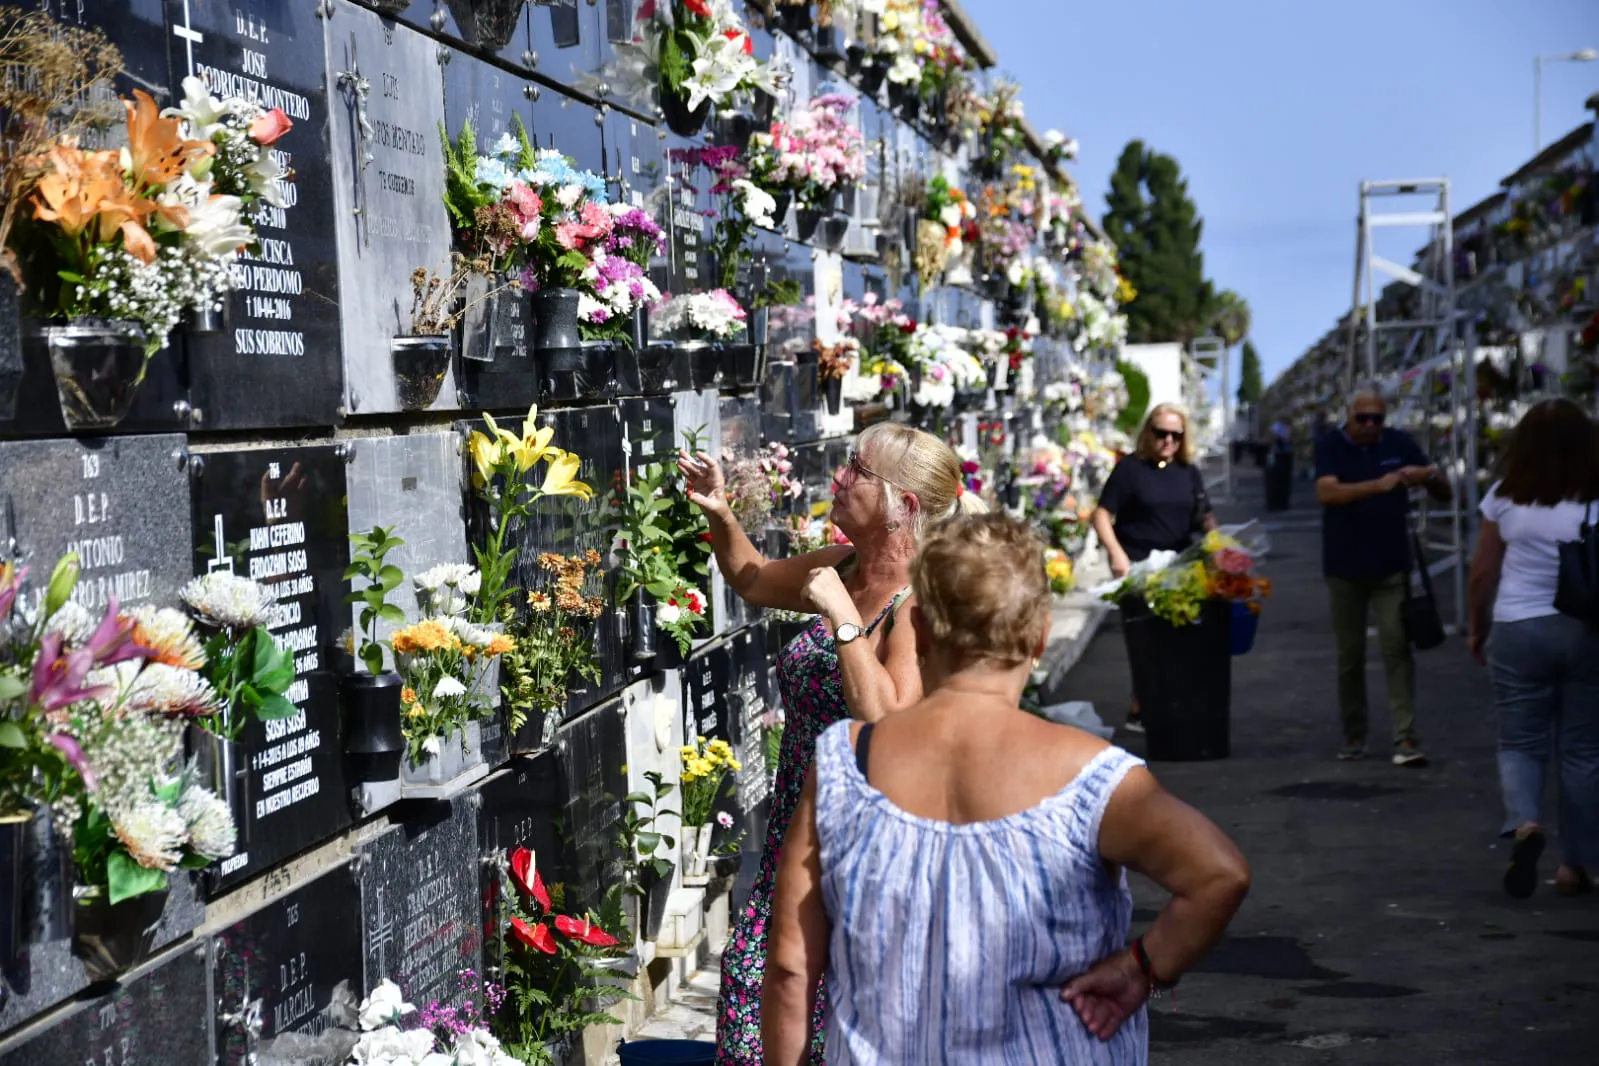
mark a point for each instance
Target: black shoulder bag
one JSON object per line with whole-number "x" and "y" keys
{"x": 1577, "y": 584}
{"x": 1196, "y": 525}
{"x": 1419, "y": 610}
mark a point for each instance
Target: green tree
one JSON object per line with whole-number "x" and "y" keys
{"x": 1230, "y": 318}
{"x": 1156, "y": 229}
{"x": 1131, "y": 418}
{"x": 1250, "y": 382}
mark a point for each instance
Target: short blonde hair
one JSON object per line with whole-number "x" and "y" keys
{"x": 921, "y": 464}
{"x": 980, "y": 583}
{"x": 1146, "y": 436}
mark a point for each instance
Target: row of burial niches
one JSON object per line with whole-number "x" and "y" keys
{"x": 304, "y": 215}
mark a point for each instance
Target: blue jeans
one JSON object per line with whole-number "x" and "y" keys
{"x": 1546, "y": 687}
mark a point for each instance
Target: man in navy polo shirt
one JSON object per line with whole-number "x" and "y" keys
{"x": 1364, "y": 473}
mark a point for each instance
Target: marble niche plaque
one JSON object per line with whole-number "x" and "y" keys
{"x": 571, "y": 126}
{"x": 276, "y": 360}
{"x": 278, "y": 515}
{"x": 158, "y": 1015}
{"x": 139, "y": 30}
{"x": 287, "y": 979}
{"x": 420, "y": 903}
{"x": 121, "y": 503}
{"x": 494, "y": 364}
{"x": 388, "y": 191}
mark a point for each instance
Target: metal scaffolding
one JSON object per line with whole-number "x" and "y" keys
{"x": 1214, "y": 360}
{"x": 1427, "y": 361}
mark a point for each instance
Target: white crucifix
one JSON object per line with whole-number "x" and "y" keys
{"x": 221, "y": 560}
{"x": 190, "y": 35}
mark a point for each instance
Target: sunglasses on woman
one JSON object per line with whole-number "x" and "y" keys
{"x": 1167, "y": 434}
{"x": 854, "y": 465}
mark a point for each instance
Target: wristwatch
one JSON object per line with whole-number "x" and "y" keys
{"x": 847, "y": 632}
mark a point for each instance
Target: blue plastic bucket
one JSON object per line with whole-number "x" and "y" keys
{"x": 667, "y": 1052}
{"x": 1244, "y": 624}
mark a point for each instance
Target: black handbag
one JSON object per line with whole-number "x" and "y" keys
{"x": 1419, "y": 610}
{"x": 1577, "y": 585}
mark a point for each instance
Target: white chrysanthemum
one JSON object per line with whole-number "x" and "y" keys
{"x": 433, "y": 745}
{"x": 210, "y": 823}
{"x": 471, "y": 583}
{"x": 228, "y": 601}
{"x": 451, "y": 574}
{"x": 74, "y": 622}
{"x": 153, "y": 833}
{"x": 168, "y": 633}
{"x": 468, "y": 633}
{"x": 384, "y": 1007}
{"x": 171, "y": 691}
{"x": 448, "y": 688}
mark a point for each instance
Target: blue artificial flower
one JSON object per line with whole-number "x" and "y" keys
{"x": 492, "y": 172}
{"x": 507, "y": 147}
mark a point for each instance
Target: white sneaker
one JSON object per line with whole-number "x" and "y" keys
{"x": 1134, "y": 725}
{"x": 1409, "y": 757}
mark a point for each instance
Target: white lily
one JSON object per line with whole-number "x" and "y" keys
{"x": 203, "y": 112}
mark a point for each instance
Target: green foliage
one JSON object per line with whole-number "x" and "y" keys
{"x": 252, "y": 673}
{"x": 1156, "y": 229}
{"x": 382, "y": 578}
{"x": 1251, "y": 382}
{"x": 787, "y": 292}
{"x": 1229, "y": 317}
{"x": 62, "y": 581}
{"x": 1132, "y": 416}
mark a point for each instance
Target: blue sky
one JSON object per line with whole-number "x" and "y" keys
{"x": 1278, "y": 109}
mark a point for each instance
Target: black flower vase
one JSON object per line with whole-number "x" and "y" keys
{"x": 735, "y": 128}
{"x": 11, "y": 364}
{"x": 487, "y": 24}
{"x": 796, "y": 19}
{"x": 373, "y": 737}
{"x": 833, "y": 389}
{"x": 807, "y": 219}
{"x": 916, "y": 376}
{"x": 641, "y": 626}
{"x": 223, "y": 766}
{"x": 680, "y": 119}
{"x": 638, "y": 327}
{"x": 765, "y": 107}
{"x": 557, "y": 341}
{"x": 780, "y": 212}
{"x": 872, "y": 75}
{"x": 855, "y": 58}
{"x": 421, "y": 363}
{"x": 827, "y": 49}
{"x": 112, "y": 938}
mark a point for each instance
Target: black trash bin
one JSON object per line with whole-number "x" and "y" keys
{"x": 1183, "y": 677}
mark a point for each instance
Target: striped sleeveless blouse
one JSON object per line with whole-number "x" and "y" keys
{"x": 950, "y": 944}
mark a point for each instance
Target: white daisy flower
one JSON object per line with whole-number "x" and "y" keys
{"x": 447, "y": 688}
{"x": 228, "y": 601}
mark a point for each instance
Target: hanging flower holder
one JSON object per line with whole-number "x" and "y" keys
{"x": 459, "y": 758}
{"x": 641, "y": 627}
{"x": 223, "y": 766}
{"x": 97, "y": 365}
{"x": 834, "y": 231}
{"x": 784, "y": 200}
{"x": 806, "y": 221}
{"x": 205, "y": 321}
{"x": 680, "y": 118}
{"x": 740, "y": 366}
{"x": 112, "y": 938}
{"x": 487, "y": 24}
{"x": 833, "y": 391}
{"x": 421, "y": 363}
{"x": 373, "y": 737}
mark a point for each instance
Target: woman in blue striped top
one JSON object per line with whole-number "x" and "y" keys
{"x": 956, "y": 870}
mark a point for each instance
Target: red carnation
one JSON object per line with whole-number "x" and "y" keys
{"x": 585, "y": 931}
{"x": 537, "y": 937}
{"x": 706, "y": 537}
{"x": 908, "y": 328}
{"x": 698, "y": 7}
{"x": 527, "y": 878}
{"x": 733, "y": 35}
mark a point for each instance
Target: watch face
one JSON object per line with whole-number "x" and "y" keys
{"x": 847, "y": 632}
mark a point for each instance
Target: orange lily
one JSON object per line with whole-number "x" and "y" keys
{"x": 157, "y": 151}
{"x": 85, "y": 189}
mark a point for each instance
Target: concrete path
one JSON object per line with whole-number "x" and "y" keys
{"x": 1376, "y": 932}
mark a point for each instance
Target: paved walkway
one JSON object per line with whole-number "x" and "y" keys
{"x": 1376, "y": 931}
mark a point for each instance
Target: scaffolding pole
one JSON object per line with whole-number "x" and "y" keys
{"x": 1212, "y": 355}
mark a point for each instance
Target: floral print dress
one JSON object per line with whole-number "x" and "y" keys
{"x": 813, "y": 699}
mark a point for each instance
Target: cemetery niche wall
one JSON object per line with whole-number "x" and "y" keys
{"x": 321, "y": 434}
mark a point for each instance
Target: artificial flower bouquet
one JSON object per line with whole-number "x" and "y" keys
{"x": 705, "y": 56}
{"x": 554, "y": 636}
{"x": 814, "y": 152}
{"x": 92, "y": 708}
{"x": 246, "y": 666}
{"x": 1176, "y": 585}
{"x": 555, "y": 983}
{"x": 708, "y": 316}
{"x": 662, "y": 545}
{"x": 146, "y": 233}
{"x": 396, "y": 1033}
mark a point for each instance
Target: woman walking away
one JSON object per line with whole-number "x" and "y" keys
{"x": 853, "y": 662}
{"x": 1544, "y": 664}
{"x": 956, "y": 870}
{"x": 1153, "y": 501}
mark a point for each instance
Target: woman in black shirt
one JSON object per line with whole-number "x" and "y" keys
{"x": 1154, "y": 500}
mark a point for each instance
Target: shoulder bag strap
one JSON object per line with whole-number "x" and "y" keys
{"x": 863, "y": 748}
{"x": 1419, "y": 563}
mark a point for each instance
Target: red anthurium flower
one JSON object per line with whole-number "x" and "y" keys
{"x": 537, "y": 937}
{"x": 734, "y": 35}
{"x": 527, "y": 878}
{"x": 585, "y": 931}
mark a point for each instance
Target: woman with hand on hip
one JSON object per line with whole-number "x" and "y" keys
{"x": 956, "y": 870}
{"x": 853, "y": 662}
{"x": 1153, "y": 501}
{"x": 1544, "y": 664}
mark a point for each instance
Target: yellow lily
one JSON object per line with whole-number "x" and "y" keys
{"x": 560, "y": 477}
{"x": 534, "y": 444}
{"x": 485, "y": 452}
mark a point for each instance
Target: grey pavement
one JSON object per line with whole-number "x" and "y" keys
{"x": 1376, "y": 930}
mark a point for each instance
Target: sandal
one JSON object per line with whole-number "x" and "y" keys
{"x": 1521, "y": 877}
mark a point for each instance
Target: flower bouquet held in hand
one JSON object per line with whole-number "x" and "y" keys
{"x": 554, "y": 638}
{"x": 706, "y": 765}
{"x": 503, "y": 469}
{"x": 556, "y": 984}
{"x": 395, "y": 1033}
{"x": 663, "y": 550}
{"x": 1177, "y": 585}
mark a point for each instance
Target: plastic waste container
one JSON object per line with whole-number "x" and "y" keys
{"x": 667, "y": 1053}
{"x": 1182, "y": 677}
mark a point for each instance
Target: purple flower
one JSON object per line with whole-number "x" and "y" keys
{"x": 74, "y": 755}
{"x": 58, "y": 679}
{"x": 11, "y": 579}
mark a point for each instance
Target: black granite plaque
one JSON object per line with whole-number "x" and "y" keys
{"x": 158, "y": 1016}
{"x": 567, "y": 37}
{"x": 276, "y": 361}
{"x": 278, "y": 515}
{"x": 121, "y": 503}
{"x": 388, "y": 185}
{"x": 420, "y": 905}
{"x": 706, "y": 677}
{"x": 647, "y": 430}
{"x": 287, "y": 979}
{"x": 687, "y": 218}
